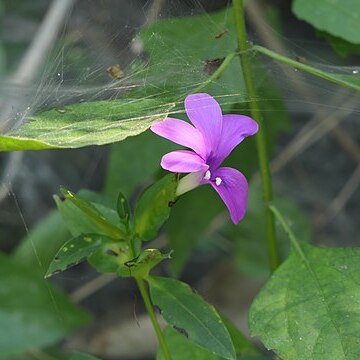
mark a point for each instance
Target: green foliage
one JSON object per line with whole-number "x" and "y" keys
{"x": 181, "y": 348}
{"x": 42, "y": 242}
{"x": 89, "y": 123}
{"x": 250, "y": 241}
{"x": 189, "y": 221}
{"x": 309, "y": 308}
{"x": 83, "y": 216}
{"x": 337, "y": 17}
{"x": 134, "y": 161}
{"x": 342, "y": 47}
{"x": 143, "y": 263}
{"x": 194, "y": 55}
{"x": 33, "y": 313}
{"x": 188, "y": 312}
{"x": 153, "y": 207}
{"x": 79, "y": 248}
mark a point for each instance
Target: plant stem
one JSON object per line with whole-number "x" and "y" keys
{"x": 309, "y": 69}
{"x": 150, "y": 310}
{"x": 227, "y": 60}
{"x": 243, "y": 45}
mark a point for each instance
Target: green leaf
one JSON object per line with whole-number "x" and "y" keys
{"x": 84, "y": 124}
{"x": 309, "y": 308}
{"x": 154, "y": 205}
{"x": 75, "y": 250}
{"x": 33, "y": 313}
{"x": 145, "y": 152}
{"x": 342, "y": 47}
{"x": 82, "y": 356}
{"x": 194, "y": 58}
{"x": 337, "y": 17}
{"x": 123, "y": 208}
{"x": 42, "y": 242}
{"x": 83, "y": 216}
{"x": 181, "y": 348}
{"x": 182, "y": 308}
{"x": 142, "y": 264}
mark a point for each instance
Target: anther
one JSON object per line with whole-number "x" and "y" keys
{"x": 218, "y": 181}
{"x": 207, "y": 175}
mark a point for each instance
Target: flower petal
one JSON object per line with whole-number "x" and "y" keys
{"x": 189, "y": 182}
{"x": 182, "y": 133}
{"x": 183, "y": 161}
{"x": 205, "y": 113}
{"x": 233, "y": 190}
{"x": 235, "y": 129}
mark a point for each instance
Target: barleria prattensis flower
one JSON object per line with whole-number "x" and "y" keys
{"x": 211, "y": 139}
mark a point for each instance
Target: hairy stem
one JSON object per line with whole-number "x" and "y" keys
{"x": 243, "y": 45}
{"x": 150, "y": 310}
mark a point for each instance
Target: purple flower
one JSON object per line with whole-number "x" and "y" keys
{"x": 212, "y": 138}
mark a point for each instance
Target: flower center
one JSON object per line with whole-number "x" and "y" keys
{"x": 207, "y": 175}
{"x": 218, "y": 181}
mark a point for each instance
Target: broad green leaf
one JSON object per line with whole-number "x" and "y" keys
{"x": 186, "y": 310}
{"x": 82, "y": 356}
{"x": 309, "y": 309}
{"x": 78, "y": 249}
{"x": 337, "y": 17}
{"x": 84, "y": 124}
{"x": 83, "y": 216}
{"x": 145, "y": 152}
{"x": 42, "y": 242}
{"x": 153, "y": 207}
{"x": 143, "y": 263}
{"x": 181, "y": 348}
{"x": 182, "y": 63}
{"x": 33, "y": 313}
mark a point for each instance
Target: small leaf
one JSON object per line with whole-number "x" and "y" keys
{"x": 142, "y": 264}
{"x": 76, "y": 250}
{"x": 182, "y": 308}
{"x": 84, "y": 124}
{"x": 123, "y": 207}
{"x": 309, "y": 309}
{"x": 154, "y": 205}
{"x": 85, "y": 217}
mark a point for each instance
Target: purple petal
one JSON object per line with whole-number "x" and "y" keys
{"x": 183, "y": 161}
{"x": 233, "y": 190}
{"x": 205, "y": 113}
{"x": 235, "y": 129}
{"x": 182, "y": 133}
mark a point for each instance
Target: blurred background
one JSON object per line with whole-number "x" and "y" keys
{"x": 54, "y": 53}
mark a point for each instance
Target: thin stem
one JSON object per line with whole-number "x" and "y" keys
{"x": 150, "y": 310}
{"x": 243, "y": 45}
{"x": 309, "y": 69}
{"x": 228, "y": 59}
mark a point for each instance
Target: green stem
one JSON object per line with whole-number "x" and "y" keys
{"x": 150, "y": 310}
{"x": 228, "y": 59}
{"x": 243, "y": 45}
{"x": 301, "y": 66}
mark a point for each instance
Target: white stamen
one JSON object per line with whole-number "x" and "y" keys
{"x": 207, "y": 175}
{"x": 218, "y": 181}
